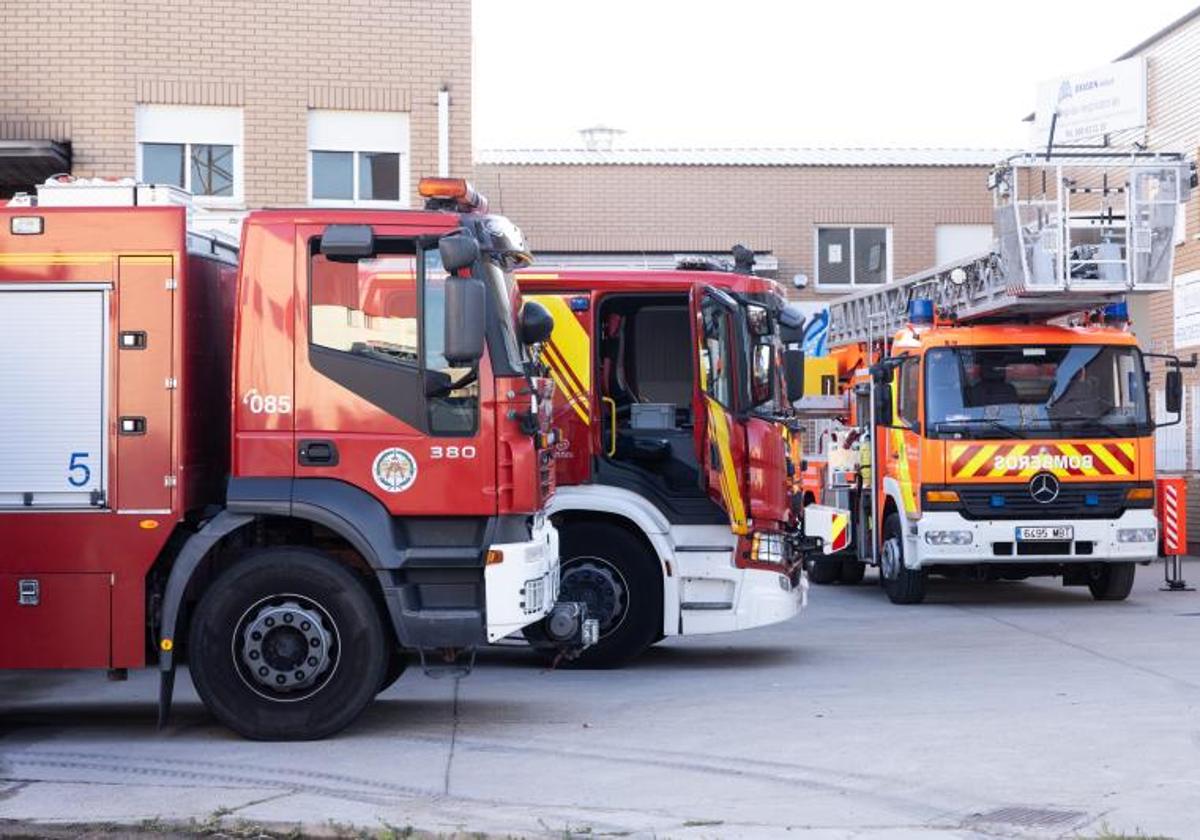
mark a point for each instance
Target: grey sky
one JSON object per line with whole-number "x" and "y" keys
{"x": 757, "y": 73}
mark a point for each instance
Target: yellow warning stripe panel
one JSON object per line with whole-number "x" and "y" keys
{"x": 908, "y": 497}
{"x": 731, "y": 488}
{"x": 999, "y": 469}
{"x": 1130, "y": 450}
{"x": 577, "y": 401}
{"x": 983, "y": 456}
{"x": 570, "y": 338}
{"x": 1071, "y": 452}
{"x": 1102, "y": 452}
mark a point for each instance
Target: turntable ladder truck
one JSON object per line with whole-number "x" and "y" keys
{"x": 996, "y": 417}
{"x": 297, "y": 472}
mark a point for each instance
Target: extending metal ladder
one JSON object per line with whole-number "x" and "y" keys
{"x": 1071, "y": 233}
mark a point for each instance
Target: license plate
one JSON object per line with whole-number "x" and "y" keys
{"x": 1035, "y": 533}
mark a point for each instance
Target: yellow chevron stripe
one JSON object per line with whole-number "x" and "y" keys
{"x": 574, "y": 348}
{"x": 1129, "y": 449}
{"x": 1100, "y": 451}
{"x": 578, "y": 402}
{"x": 1070, "y": 451}
{"x": 998, "y": 471}
{"x": 983, "y": 456}
{"x": 147, "y": 260}
{"x": 731, "y": 488}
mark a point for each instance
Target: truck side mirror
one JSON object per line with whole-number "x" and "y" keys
{"x": 466, "y": 301}
{"x": 1174, "y": 391}
{"x": 536, "y": 323}
{"x": 793, "y": 373}
{"x": 458, "y": 251}
{"x": 347, "y": 242}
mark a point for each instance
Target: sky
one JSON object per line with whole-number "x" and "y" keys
{"x": 752, "y": 73}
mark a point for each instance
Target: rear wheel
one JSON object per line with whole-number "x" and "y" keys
{"x": 287, "y": 644}
{"x": 609, "y": 570}
{"x": 825, "y": 571}
{"x": 852, "y": 572}
{"x": 1111, "y": 581}
{"x": 902, "y": 585}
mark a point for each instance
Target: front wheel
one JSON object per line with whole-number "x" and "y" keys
{"x": 1111, "y": 581}
{"x": 609, "y": 570}
{"x": 287, "y": 644}
{"x": 825, "y": 571}
{"x": 902, "y": 584}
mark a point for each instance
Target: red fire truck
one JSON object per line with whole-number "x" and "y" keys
{"x": 295, "y": 475}
{"x": 673, "y": 500}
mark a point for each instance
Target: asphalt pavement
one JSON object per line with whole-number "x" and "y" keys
{"x": 1002, "y": 709}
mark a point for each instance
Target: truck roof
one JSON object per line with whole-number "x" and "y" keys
{"x": 642, "y": 280}
{"x": 1014, "y": 334}
{"x": 355, "y": 215}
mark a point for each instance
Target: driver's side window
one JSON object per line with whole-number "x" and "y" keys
{"x": 907, "y": 406}
{"x": 716, "y": 343}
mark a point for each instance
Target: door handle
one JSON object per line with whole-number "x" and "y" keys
{"x": 317, "y": 453}
{"x": 612, "y": 426}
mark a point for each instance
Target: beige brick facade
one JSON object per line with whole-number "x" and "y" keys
{"x": 631, "y": 208}
{"x": 75, "y": 71}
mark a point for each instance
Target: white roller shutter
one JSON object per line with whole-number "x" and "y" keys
{"x": 52, "y": 398}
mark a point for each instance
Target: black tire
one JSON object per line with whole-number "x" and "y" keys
{"x": 902, "y": 585}
{"x": 397, "y": 665}
{"x": 852, "y": 572}
{"x": 825, "y": 571}
{"x": 334, "y": 622}
{"x": 1111, "y": 581}
{"x": 595, "y": 556}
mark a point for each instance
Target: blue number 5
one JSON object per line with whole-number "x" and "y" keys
{"x": 79, "y": 473}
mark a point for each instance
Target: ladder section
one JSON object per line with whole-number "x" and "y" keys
{"x": 1072, "y": 233}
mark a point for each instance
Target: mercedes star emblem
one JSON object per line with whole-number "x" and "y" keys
{"x": 1043, "y": 487}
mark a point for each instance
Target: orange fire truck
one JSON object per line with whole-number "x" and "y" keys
{"x": 673, "y": 499}
{"x": 995, "y": 415}
{"x": 295, "y": 475}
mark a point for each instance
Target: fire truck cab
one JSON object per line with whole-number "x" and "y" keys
{"x": 297, "y": 475}
{"x": 672, "y": 501}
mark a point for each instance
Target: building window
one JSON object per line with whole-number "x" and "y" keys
{"x": 853, "y": 256}
{"x": 196, "y": 148}
{"x": 358, "y": 158}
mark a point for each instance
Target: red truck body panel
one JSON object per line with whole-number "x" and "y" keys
{"x": 92, "y": 563}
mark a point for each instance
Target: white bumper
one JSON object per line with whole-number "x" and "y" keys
{"x": 522, "y": 588}
{"x": 1101, "y": 533}
{"x": 715, "y": 596}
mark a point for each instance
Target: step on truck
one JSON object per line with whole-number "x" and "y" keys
{"x": 996, "y": 417}
{"x": 671, "y": 449}
{"x": 299, "y": 475}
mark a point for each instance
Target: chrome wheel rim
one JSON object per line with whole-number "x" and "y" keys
{"x": 286, "y": 648}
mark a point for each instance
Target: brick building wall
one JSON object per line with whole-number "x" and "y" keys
{"x": 665, "y": 208}
{"x": 74, "y": 70}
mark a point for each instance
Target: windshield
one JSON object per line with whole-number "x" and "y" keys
{"x": 1041, "y": 391}
{"x": 503, "y": 290}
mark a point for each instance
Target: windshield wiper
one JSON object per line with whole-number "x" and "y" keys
{"x": 995, "y": 424}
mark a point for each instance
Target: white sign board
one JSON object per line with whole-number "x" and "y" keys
{"x": 1187, "y": 310}
{"x": 1089, "y": 105}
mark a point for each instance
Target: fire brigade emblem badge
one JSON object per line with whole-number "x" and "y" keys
{"x": 395, "y": 470}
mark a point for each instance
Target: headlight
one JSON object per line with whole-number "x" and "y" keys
{"x": 1137, "y": 535}
{"x": 949, "y": 537}
{"x": 767, "y": 548}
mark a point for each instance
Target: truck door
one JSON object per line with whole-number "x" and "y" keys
{"x": 376, "y": 404}
{"x": 568, "y": 354}
{"x": 145, "y": 477}
{"x": 721, "y": 437}
{"x": 902, "y": 441}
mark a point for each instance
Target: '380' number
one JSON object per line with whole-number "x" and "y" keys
{"x": 436, "y": 452}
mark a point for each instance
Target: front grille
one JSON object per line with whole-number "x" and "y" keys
{"x": 1012, "y": 501}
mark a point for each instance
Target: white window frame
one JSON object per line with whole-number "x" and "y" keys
{"x": 360, "y": 132}
{"x": 834, "y": 288}
{"x": 194, "y": 125}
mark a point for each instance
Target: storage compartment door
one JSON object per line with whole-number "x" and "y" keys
{"x": 145, "y": 477}
{"x": 53, "y": 359}
{"x": 55, "y": 620}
